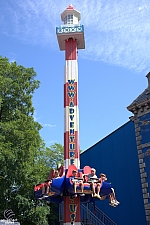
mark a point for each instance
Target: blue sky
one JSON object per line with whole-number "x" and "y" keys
{"x": 112, "y": 68}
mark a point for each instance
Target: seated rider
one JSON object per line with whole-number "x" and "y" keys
{"x": 102, "y": 178}
{"x": 56, "y": 175}
{"x": 47, "y": 184}
{"x": 92, "y": 179}
{"x": 76, "y": 181}
{"x": 112, "y": 198}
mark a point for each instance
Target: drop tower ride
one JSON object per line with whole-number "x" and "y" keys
{"x": 70, "y": 37}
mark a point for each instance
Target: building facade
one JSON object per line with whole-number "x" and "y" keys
{"x": 124, "y": 156}
{"x": 140, "y": 107}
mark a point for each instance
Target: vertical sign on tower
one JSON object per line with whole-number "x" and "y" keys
{"x": 71, "y": 138}
{"x": 70, "y": 38}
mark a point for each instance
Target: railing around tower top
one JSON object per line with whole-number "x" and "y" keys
{"x": 64, "y": 29}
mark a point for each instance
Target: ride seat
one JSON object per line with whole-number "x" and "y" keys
{"x": 61, "y": 171}
{"x": 46, "y": 183}
{"x": 70, "y": 169}
{"x": 80, "y": 174}
{"x": 51, "y": 175}
{"x": 38, "y": 187}
{"x": 87, "y": 171}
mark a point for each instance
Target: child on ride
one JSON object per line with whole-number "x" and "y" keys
{"x": 112, "y": 198}
{"x": 47, "y": 184}
{"x": 75, "y": 180}
{"x": 92, "y": 179}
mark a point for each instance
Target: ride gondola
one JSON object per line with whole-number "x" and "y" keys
{"x": 64, "y": 186}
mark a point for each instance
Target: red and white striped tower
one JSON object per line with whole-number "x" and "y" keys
{"x": 70, "y": 38}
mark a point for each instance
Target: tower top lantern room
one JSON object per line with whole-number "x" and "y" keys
{"x": 71, "y": 28}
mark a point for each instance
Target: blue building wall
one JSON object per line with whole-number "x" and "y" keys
{"x": 116, "y": 156}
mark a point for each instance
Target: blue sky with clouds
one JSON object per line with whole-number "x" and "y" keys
{"x": 112, "y": 67}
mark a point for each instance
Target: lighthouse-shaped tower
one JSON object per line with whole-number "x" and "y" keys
{"x": 70, "y": 37}
{"x": 69, "y": 188}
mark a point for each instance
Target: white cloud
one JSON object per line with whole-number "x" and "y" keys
{"x": 51, "y": 142}
{"x": 36, "y": 118}
{"x": 12, "y": 60}
{"x": 116, "y": 32}
{"x": 11, "y": 56}
{"x": 49, "y": 125}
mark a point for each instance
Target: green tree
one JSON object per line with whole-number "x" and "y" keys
{"x": 20, "y": 143}
{"x": 51, "y": 158}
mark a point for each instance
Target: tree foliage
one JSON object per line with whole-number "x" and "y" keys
{"x": 20, "y": 144}
{"x": 24, "y": 159}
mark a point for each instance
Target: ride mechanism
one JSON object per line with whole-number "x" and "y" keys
{"x": 70, "y": 37}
